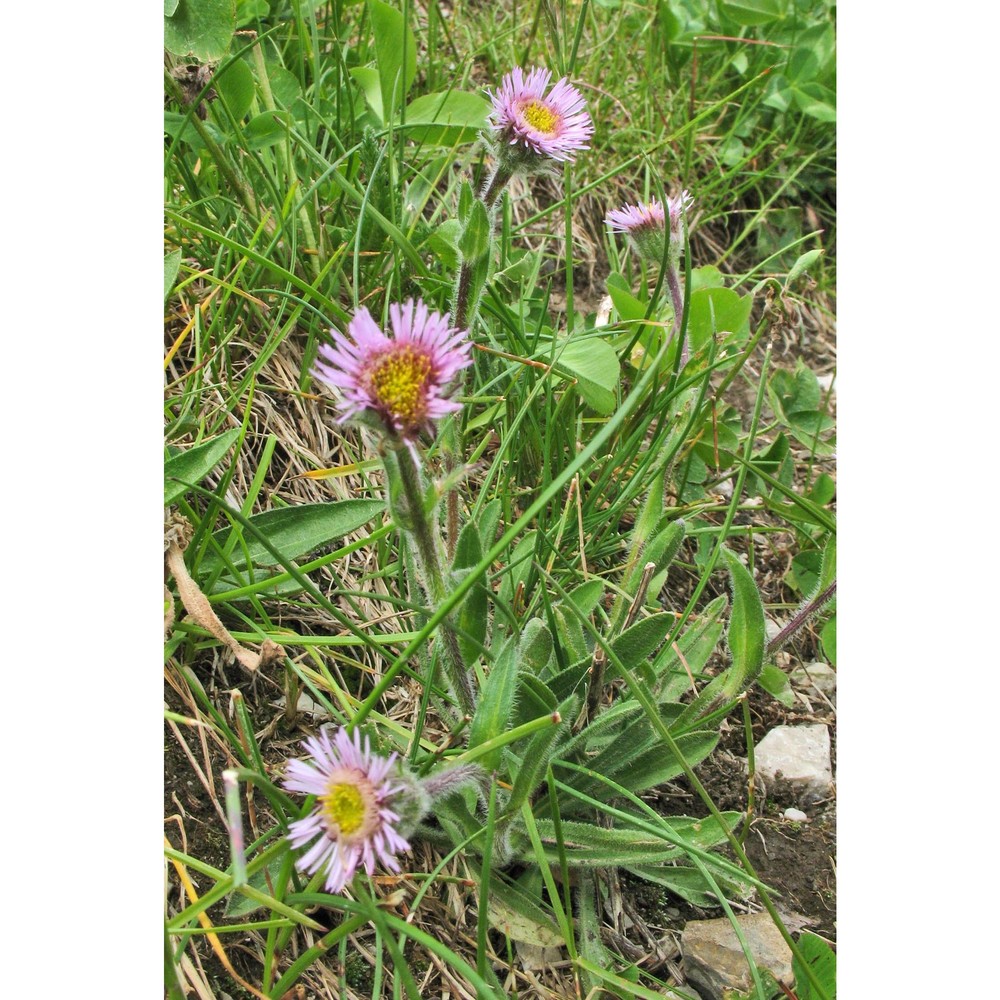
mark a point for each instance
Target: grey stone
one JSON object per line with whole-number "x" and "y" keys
{"x": 802, "y": 756}
{"x": 714, "y": 961}
{"x": 795, "y": 816}
{"x": 816, "y": 676}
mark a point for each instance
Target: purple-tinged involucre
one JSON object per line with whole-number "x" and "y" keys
{"x": 403, "y": 378}
{"x": 630, "y": 219}
{"x": 554, "y": 124}
{"x": 353, "y": 823}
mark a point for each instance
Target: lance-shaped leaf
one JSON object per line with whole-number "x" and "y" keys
{"x": 537, "y": 754}
{"x": 293, "y": 531}
{"x": 193, "y": 465}
{"x": 473, "y": 616}
{"x": 692, "y": 651}
{"x": 746, "y": 639}
{"x": 496, "y": 702}
{"x": 395, "y": 53}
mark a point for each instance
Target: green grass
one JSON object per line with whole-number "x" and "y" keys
{"x": 292, "y": 203}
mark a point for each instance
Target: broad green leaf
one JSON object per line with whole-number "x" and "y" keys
{"x": 775, "y": 682}
{"x": 520, "y": 564}
{"x": 752, "y": 11}
{"x": 294, "y": 531}
{"x": 817, "y": 101}
{"x": 689, "y": 883}
{"x": 718, "y": 311}
{"x": 236, "y": 85}
{"x": 169, "y": 6}
{"x": 171, "y": 265}
{"x": 805, "y": 571}
{"x": 587, "y": 596}
{"x": 635, "y": 644}
{"x": 594, "y": 364}
{"x": 629, "y": 307}
{"x": 285, "y": 86}
{"x": 250, "y": 10}
{"x": 823, "y": 961}
{"x": 192, "y": 465}
{"x": 446, "y": 119}
{"x": 200, "y": 28}
{"x": 368, "y": 80}
{"x": 823, "y": 490}
{"x": 534, "y": 646}
{"x": 395, "y": 53}
{"x": 181, "y": 127}
{"x": 444, "y": 242}
{"x": 708, "y": 276}
{"x": 267, "y": 129}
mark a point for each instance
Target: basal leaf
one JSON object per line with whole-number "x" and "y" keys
{"x": 294, "y": 531}
{"x": 200, "y": 28}
{"x": 192, "y": 465}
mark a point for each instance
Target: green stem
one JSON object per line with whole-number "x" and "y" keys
{"x": 425, "y": 536}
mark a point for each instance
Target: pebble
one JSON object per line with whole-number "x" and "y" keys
{"x": 795, "y": 815}
{"x": 801, "y": 754}
{"x": 714, "y": 962}
{"x": 816, "y": 676}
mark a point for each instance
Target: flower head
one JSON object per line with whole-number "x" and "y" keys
{"x": 645, "y": 225}
{"x": 354, "y": 821}
{"x": 553, "y": 125}
{"x": 401, "y": 378}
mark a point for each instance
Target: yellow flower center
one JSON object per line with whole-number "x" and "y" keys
{"x": 345, "y": 806}
{"x": 540, "y": 118}
{"x": 398, "y": 379}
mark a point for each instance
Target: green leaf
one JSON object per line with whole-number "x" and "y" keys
{"x": 630, "y": 309}
{"x": 169, "y": 6}
{"x": 294, "y": 531}
{"x": 587, "y": 596}
{"x": 752, "y": 11}
{"x": 775, "y": 682}
{"x": 829, "y": 639}
{"x": 635, "y": 644}
{"x": 708, "y": 276}
{"x": 236, "y": 86}
{"x": 192, "y": 465}
{"x": 250, "y": 10}
{"x": 263, "y": 881}
{"x": 718, "y": 310}
{"x": 496, "y": 703}
{"x": 821, "y": 957}
{"x": 473, "y": 615}
{"x": 171, "y": 265}
{"x": 817, "y": 101}
{"x": 200, "y": 28}
{"x": 823, "y": 490}
{"x": 746, "y": 636}
{"x": 594, "y": 364}
{"x": 537, "y": 754}
{"x": 474, "y": 243}
{"x": 446, "y": 119}
{"x": 368, "y": 80}
{"x": 803, "y": 264}
{"x": 267, "y": 129}
{"x": 393, "y": 41}
{"x": 181, "y": 127}
{"x": 285, "y": 86}
{"x": 512, "y": 912}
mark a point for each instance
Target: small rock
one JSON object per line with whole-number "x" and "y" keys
{"x": 537, "y": 957}
{"x": 795, "y": 815}
{"x": 714, "y": 961}
{"x": 818, "y": 676}
{"x": 304, "y": 704}
{"x": 802, "y": 756}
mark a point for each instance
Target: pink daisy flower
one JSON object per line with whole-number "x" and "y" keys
{"x": 401, "y": 378}
{"x": 554, "y": 124}
{"x": 645, "y": 224}
{"x": 353, "y": 822}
